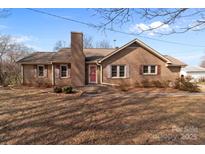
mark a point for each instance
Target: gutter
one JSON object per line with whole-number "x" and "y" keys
{"x": 101, "y": 71}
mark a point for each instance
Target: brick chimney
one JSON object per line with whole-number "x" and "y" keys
{"x": 78, "y": 60}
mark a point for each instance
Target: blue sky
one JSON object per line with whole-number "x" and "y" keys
{"x": 41, "y": 32}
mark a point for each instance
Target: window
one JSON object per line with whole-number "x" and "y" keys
{"x": 40, "y": 70}
{"x": 122, "y": 71}
{"x": 114, "y": 71}
{"x": 118, "y": 71}
{"x": 153, "y": 69}
{"x": 149, "y": 69}
{"x": 145, "y": 69}
{"x": 64, "y": 71}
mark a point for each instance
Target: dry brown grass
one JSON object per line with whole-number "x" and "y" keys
{"x": 38, "y": 116}
{"x": 202, "y": 86}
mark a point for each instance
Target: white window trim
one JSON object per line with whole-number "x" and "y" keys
{"x": 118, "y": 72}
{"x": 149, "y": 70}
{"x": 67, "y": 75}
{"x": 38, "y": 71}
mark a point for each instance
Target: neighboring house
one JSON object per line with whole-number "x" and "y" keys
{"x": 195, "y": 72}
{"x": 135, "y": 61}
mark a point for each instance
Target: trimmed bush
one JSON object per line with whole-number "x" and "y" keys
{"x": 186, "y": 85}
{"x": 68, "y": 90}
{"x": 57, "y": 89}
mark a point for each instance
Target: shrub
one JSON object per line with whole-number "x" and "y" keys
{"x": 158, "y": 84}
{"x": 202, "y": 79}
{"x": 146, "y": 83}
{"x": 187, "y": 78}
{"x": 186, "y": 85}
{"x": 192, "y": 87}
{"x": 170, "y": 84}
{"x": 178, "y": 83}
{"x": 57, "y": 89}
{"x": 68, "y": 90}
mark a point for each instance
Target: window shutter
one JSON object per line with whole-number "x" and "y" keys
{"x": 57, "y": 71}
{"x": 158, "y": 69}
{"x": 69, "y": 70}
{"x": 35, "y": 70}
{"x": 127, "y": 71}
{"x": 141, "y": 69}
{"x": 109, "y": 71}
{"x": 46, "y": 71}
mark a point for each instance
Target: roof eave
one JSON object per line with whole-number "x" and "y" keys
{"x": 194, "y": 71}
{"x": 173, "y": 65}
{"x": 34, "y": 63}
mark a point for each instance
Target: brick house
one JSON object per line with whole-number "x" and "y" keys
{"x": 77, "y": 66}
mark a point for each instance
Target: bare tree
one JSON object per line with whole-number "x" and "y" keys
{"x": 59, "y": 44}
{"x": 87, "y": 41}
{"x": 203, "y": 62}
{"x": 194, "y": 19}
{"x": 10, "y": 52}
{"x": 17, "y": 52}
{"x": 5, "y": 46}
{"x": 103, "y": 44}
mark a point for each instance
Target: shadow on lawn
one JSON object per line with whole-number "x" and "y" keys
{"x": 106, "y": 119}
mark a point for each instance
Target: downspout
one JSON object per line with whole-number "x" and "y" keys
{"x": 101, "y": 76}
{"x": 101, "y": 73}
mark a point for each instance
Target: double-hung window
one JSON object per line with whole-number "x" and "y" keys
{"x": 149, "y": 69}
{"x": 64, "y": 71}
{"x": 118, "y": 71}
{"x": 114, "y": 71}
{"x": 121, "y": 71}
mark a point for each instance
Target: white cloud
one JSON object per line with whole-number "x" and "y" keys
{"x": 3, "y": 27}
{"x": 21, "y": 39}
{"x": 28, "y": 40}
{"x": 157, "y": 26}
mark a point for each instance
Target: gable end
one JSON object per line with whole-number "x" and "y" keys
{"x": 137, "y": 43}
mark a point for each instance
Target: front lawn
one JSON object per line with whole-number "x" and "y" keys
{"x": 38, "y": 116}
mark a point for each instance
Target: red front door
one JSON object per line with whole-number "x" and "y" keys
{"x": 92, "y": 75}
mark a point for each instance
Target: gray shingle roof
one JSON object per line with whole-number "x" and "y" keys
{"x": 91, "y": 54}
{"x": 193, "y": 69}
{"x": 38, "y": 58}
{"x": 64, "y": 55}
{"x": 174, "y": 61}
